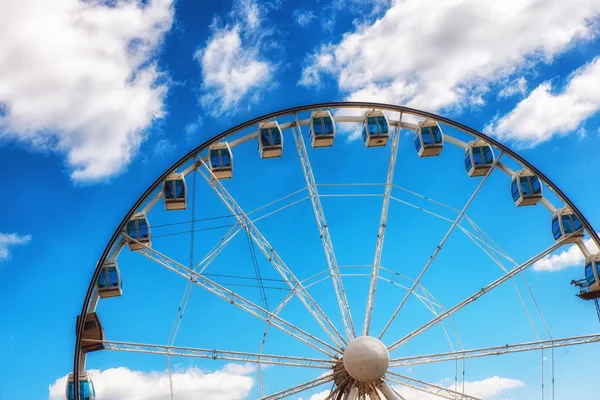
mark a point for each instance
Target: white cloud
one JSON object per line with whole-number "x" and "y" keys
{"x": 318, "y": 396}
{"x": 163, "y": 147}
{"x": 544, "y": 114}
{"x": 420, "y": 54}
{"x": 8, "y": 240}
{"x": 233, "y": 69}
{"x": 303, "y": 18}
{"x": 514, "y": 87}
{"x": 78, "y": 78}
{"x": 488, "y": 388}
{"x": 571, "y": 257}
{"x": 229, "y": 383}
{"x": 192, "y": 128}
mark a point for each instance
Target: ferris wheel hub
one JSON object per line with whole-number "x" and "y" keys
{"x": 366, "y": 359}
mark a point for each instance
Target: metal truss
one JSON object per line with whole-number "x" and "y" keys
{"x": 300, "y": 388}
{"x": 214, "y": 354}
{"x": 477, "y": 295}
{"x": 440, "y": 246}
{"x": 274, "y": 258}
{"x": 495, "y": 351}
{"x": 426, "y": 387}
{"x": 238, "y": 301}
{"x": 381, "y": 232}
{"x": 388, "y": 392}
{"x": 334, "y": 271}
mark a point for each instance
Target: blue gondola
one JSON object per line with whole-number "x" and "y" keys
{"x": 138, "y": 229}
{"x": 566, "y": 226}
{"x": 592, "y": 275}
{"x": 86, "y": 387}
{"x": 526, "y": 189}
{"x": 322, "y": 129}
{"x": 376, "y": 129}
{"x": 479, "y": 158}
{"x": 429, "y": 139}
{"x": 220, "y": 160}
{"x": 175, "y": 192}
{"x": 270, "y": 140}
{"x": 109, "y": 280}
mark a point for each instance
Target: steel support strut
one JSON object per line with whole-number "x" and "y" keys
{"x": 274, "y": 258}
{"x": 300, "y": 388}
{"x": 334, "y": 271}
{"x": 427, "y": 387}
{"x": 389, "y": 182}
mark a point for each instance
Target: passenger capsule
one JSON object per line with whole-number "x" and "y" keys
{"x": 92, "y": 330}
{"x": 566, "y": 226}
{"x": 526, "y": 189}
{"x": 322, "y": 129}
{"x": 138, "y": 232}
{"x": 429, "y": 139}
{"x": 270, "y": 140}
{"x": 376, "y": 129}
{"x": 86, "y": 387}
{"x": 175, "y": 192}
{"x": 479, "y": 158}
{"x": 592, "y": 276}
{"x": 220, "y": 160}
{"x": 109, "y": 281}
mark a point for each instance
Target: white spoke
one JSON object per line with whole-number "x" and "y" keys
{"x": 477, "y": 295}
{"x": 495, "y": 351}
{"x": 427, "y": 387}
{"x": 237, "y": 300}
{"x": 300, "y": 388}
{"x": 388, "y": 392}
{"x": 272, "y": 256}
{"x": 381, "y": 232}
{"x": 334, "y": 271}
{"x": 214, "y": 354}
{"x": 439, "y": 247}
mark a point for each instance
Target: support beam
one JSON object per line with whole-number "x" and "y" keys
{"x": 214, "y": 354}
{"x": 334, "y": 271}
{"x": 238, "y": 301}
{"x": 477, "y": 295}
{"x": 495, "y": 351}
{"x": 274, "y": 258}
{"x": 388, "y": 392}
{"x": 300, "y": 388}
{"x": 427, "y": 387}
{"x": 389, "y": 181}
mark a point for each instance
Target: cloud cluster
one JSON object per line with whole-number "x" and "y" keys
{"x": 571, "y": 257}
{"x": 9, "y": 240}
{"x": 544, "y": 114}
{"x": 420, "y": 54}
{"x": 233, "y": 69}
{"x": 489, "y": 388}
{"x": 230, "y": 383}
{"x": 78, "y": 78}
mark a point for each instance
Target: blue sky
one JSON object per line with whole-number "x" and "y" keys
{"x": 98, "y": 98}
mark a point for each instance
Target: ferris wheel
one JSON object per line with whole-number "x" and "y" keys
{"x": 326, "y": 259}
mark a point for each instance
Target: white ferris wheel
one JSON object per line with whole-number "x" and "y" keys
{"x": 324, "y": 264}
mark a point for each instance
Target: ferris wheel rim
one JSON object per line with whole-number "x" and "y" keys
{"x": 291, "y": 111}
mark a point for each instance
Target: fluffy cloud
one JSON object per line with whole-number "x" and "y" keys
{"x": 78, "y": 78}
{"x": 303, "y": 18}
{"x": 230, "y": 383}
{"x": 420, "y": 54}
{"x": 516, "y": 86}
{"x": 233, "y": 70}
{"x": 8, "y": 240}
{"x": 489, "y": 388}
{"x": 544, "y": 114}
{"x": 571, "y": 257}
{"x": 193, "y": 128}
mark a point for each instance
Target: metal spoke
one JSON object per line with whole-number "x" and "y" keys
{"x": 381, "y": 232}
{"x": 272, "y": 256}
{"x": 300, "y": 388}
{"x": 388, "y": 392}
{"x": 439, "y": 247}
{"x": 477, "y": 295}
{"x": 495, "y": 351}
{"x": 215, "y": 354}
{"x": 427, "y": 387}
{"x": 334, "y": 271}
{"x": 237, "y": 300}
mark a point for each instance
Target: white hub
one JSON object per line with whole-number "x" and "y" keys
{"x": 366, "y": 359}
